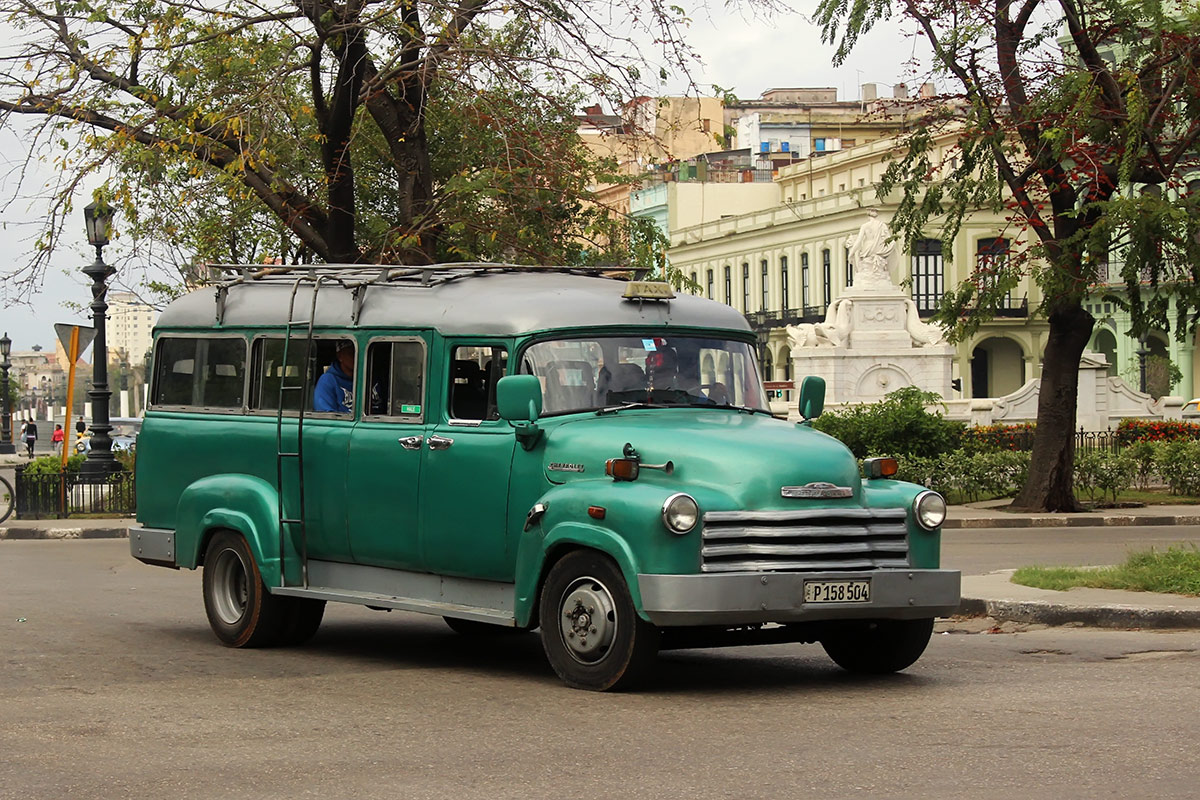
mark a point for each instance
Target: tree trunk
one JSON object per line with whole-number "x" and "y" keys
{"x": 1050, "y": 485}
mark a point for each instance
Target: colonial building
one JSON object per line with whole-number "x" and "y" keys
{"x": 784, "y": 261}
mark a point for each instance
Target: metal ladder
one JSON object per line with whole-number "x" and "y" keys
{"x": 298, "y": 453}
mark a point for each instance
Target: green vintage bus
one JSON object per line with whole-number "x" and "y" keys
{"x": 519, "y": 448}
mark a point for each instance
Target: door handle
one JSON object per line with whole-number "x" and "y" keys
{"x": 411, "y": 442}
{"x": 439, "y": 442}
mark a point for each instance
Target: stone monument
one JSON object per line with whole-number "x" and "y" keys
{"x": 873, "y": 340}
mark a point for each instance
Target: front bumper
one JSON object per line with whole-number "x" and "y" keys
{"x": 740, "y": 598}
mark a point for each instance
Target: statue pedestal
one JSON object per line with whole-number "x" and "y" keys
{"x": 882, "y": 345}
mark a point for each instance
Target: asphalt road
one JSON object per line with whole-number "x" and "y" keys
{"x": 111, "y": 686}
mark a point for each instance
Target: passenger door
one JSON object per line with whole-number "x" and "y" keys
{"x": 465, "y": 471}
{"x": 384, "y": 476}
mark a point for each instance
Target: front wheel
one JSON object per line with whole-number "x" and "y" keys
{"x": 591, "y": 632}
{"x": 878, "y": 647}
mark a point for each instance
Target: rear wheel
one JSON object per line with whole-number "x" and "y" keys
{"x": 591, "y": 632}
{"x": 303, "y": 617}
{"x": 878, "y": 647}
{"x": 240, "y": 610}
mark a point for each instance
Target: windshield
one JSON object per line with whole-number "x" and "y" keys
{"x": 604, "y": 372}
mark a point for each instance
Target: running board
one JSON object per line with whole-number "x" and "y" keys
{"x": 463, "y": 598}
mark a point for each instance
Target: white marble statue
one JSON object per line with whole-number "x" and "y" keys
{"x": 833, "y": 332}
{"x": 923, "y": 333}
{"x": 870, "y": 251}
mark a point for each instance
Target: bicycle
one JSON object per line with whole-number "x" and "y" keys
{"x": 8, "y": 499}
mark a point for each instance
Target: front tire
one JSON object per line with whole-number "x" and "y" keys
{"x": 591, "y": 632}
{"x": 878, "y": 647}
{"x": 240, "y": 610}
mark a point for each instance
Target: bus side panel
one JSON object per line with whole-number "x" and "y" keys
{"x": 242, "y": 503}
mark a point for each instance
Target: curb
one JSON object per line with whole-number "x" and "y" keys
{"x": 1100, "y": 616}
{"x": 63, "y": 533}
{"x": 1071, "y": 521}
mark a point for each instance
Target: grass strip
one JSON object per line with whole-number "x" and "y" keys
{"x": 1175, "y": 570}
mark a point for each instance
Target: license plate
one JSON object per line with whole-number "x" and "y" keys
{"x": 837, "y": 591}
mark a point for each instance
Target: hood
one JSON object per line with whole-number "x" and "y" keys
{"x": 747, "y": 457}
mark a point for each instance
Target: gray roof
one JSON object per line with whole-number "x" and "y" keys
{"x": 492, "y": 303}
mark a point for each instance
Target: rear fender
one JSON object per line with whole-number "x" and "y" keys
{"x": 242, "y": 503}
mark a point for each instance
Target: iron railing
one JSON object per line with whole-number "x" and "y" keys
{"x": 58, "y": 495}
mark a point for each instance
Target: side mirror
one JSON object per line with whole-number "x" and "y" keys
{"x": 519, "y": 400}
{"x": 812, "y": 398}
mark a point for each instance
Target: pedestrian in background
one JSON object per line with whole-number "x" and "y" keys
{"x": 57, "y": 437}
{"x": 30, "y": 432}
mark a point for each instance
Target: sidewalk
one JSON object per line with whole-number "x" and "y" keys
{"x": 991, "y": 514}
{"x": 994, "y": 595}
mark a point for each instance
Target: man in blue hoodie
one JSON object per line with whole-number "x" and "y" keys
{"x": 335, "y": 388}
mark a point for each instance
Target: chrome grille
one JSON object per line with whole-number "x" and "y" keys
{"x": 807, "y": 540}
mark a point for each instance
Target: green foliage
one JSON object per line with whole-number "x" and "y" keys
{"x": 1103, "y": 473}
{"x": 1144, "y": 456}
{"x": 395, "y": 132}
{"x": 898, "y": 425}
{"x": 968, "y": 476}
{"x": 1162, "y": 374}
{"x": 52, "y": 465}
{"x": 1175, "y": 570}
{"x": 1178, "y": 463}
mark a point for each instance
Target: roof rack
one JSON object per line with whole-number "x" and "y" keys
{"x": 357, "y": 277}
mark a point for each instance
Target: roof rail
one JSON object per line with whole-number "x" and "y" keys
{"x": 350, "y": 274}
{"x": 357, "y": 277}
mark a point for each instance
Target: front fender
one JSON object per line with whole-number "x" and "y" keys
{"x": 569, "y": 535}
{"x": 238, "y": 502}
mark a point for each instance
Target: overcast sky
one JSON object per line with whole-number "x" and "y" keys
{"x": 740, "y": 53}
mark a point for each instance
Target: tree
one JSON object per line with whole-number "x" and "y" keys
{"x": 400, "y": 131}
{"x": 1081, "y": 117}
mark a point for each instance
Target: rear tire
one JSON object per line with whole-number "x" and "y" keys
{"x": 591, "y": 632}
{"x": 877, "y": 647}
{"x": 241, "y": 612}
{"x": 303, "y": 618}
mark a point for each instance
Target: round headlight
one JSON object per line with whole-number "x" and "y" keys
{"x": 929, "y": 509}
{"x": 680, "y": 513}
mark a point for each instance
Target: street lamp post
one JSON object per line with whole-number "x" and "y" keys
{"x": 6, "y": 443}
{"x": 100, "y": 461}
{"x": 1142, "y": 352}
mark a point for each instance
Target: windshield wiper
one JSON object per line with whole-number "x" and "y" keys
{"x": 731, "y": 406}
{"x": 623, "y": 406}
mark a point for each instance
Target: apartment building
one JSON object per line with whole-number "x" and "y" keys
{"x": 129, "y": 326}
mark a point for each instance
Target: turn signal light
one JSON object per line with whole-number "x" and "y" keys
{"x": 622, "y": 469}
{"x": 596, "y": 512}
{"x": 880, "y": 467}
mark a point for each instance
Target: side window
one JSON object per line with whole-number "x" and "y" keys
{"x": 396, "y": 379}
{"x": 200, "y": 372}
{"x": 273, "y": 382}
{"x": 474, "y": 371}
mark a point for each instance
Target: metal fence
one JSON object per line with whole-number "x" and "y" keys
{"x": 1085, "y": 441}
{"x": 58, "y": 495}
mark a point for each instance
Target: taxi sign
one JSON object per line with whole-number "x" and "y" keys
{"x": 648, "y": 290}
